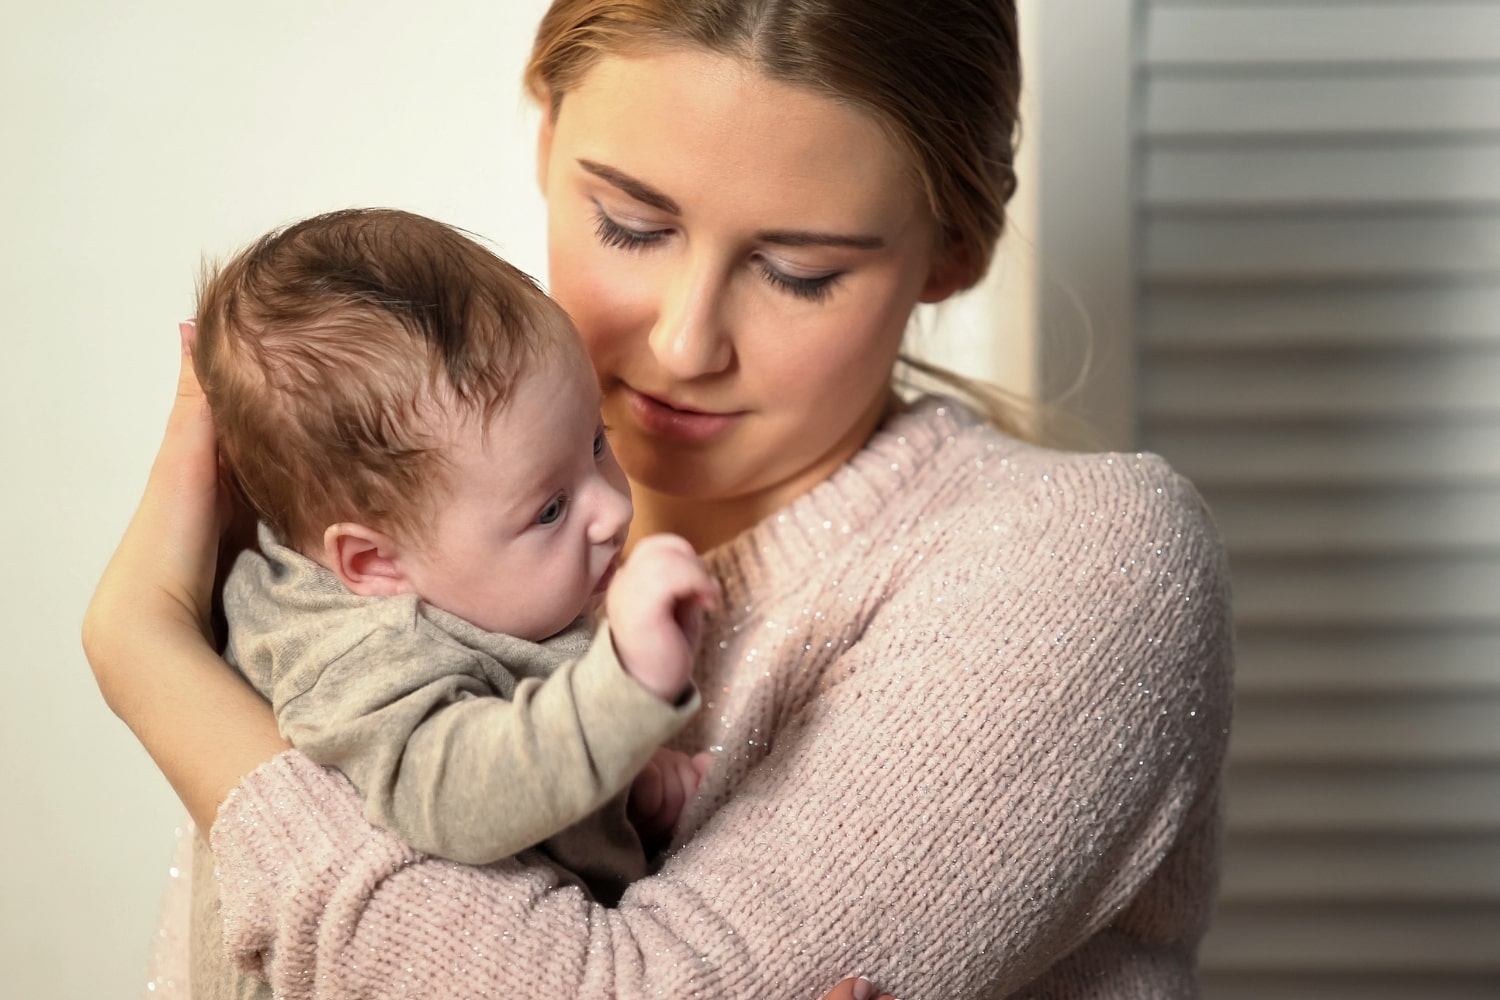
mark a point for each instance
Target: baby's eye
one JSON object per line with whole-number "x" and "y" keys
{"x": 553, "y": 510}
{"x": 600, "y": 442}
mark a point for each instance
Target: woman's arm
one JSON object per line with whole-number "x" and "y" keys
{"x": 953, "y": 830}
{"x": 145, "y": 631}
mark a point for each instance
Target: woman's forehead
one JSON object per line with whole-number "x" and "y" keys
{"x": 685, "y": 120}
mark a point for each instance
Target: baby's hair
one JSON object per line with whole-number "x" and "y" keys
{"x": 329, "y": 349}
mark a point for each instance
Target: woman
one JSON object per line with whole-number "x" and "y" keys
{"x": 967, "y": 697}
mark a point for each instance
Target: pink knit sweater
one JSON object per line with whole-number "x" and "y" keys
{"x": 969, "y": 700}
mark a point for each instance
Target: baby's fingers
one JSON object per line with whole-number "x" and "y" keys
{"x": 646, "y": 793}
{"x": 680, "y": 784}
{"x": 688, "y": 775}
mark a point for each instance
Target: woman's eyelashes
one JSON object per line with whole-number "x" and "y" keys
{"x": 611, "y": 234}
{"x": 812, "y": 289}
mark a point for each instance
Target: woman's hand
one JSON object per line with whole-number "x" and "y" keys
{"x": 856, "y": 988}
{"x": 166, "y": 560}
{"x": 146, "y": 630}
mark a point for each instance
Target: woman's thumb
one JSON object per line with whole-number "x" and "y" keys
{"x": 187, "y": 375}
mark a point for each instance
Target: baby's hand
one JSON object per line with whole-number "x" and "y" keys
{"x": 660, "y": 791}
{"x": 655, "y": 605}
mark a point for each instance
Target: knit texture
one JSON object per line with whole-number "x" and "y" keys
{"x": 968, "y": 700}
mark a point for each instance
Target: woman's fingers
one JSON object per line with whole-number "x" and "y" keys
{"x": 188, "y": 453}
{"x": 856, "y": 988}
{"x": 163, "y": 569}
{"x": 184, "y": 508}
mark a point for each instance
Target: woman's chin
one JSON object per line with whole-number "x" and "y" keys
{"x": 688, "y": 482}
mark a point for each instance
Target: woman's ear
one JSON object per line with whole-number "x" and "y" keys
{"x": 366, "y": 561}
{"x": 952, "y": 271}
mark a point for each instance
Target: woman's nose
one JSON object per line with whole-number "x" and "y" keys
{"x": 690, "y": 338}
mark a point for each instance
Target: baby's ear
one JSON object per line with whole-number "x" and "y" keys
{"x": 365, "y": 560}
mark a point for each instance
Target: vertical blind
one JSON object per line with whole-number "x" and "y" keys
{"x": 1318, "y": 263}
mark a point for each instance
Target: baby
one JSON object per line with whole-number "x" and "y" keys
{"x": 417, "y": 427}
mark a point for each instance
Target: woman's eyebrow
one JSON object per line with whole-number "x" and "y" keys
{"x": 803, "y": 238}
{"x": 648, "y": 195}
{"x": 639, "y": 190}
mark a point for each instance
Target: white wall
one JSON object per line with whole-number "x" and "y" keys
{"x": 138, "y": 137}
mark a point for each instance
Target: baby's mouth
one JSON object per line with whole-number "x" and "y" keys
{"x": 607, "y": 575}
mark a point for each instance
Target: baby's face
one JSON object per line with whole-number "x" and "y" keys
{"x": 528, "y": 536}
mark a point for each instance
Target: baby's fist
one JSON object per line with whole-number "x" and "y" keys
{"x": 661, "y": 790}
{"x": 655, "y": 606}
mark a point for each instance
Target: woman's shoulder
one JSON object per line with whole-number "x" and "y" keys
{"x": 1030, "y": 550}
{"x": 1056, "y": 535}
{"x": 990, "y": 479}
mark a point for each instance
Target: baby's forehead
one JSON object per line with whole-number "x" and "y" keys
{"x": 565, "y": 383}
{"x": 551, "y": 410}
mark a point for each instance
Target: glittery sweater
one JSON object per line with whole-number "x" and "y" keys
{"x": 969, "y": 701}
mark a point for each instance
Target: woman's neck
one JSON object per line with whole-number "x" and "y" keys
{"x": 707, "y": 524}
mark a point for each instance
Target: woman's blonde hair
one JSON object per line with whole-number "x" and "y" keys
{"x": 942, "y": 78}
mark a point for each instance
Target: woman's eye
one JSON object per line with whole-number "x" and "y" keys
{"x": 553, "y": 510}
{"x": 612, "y": 234}
{"x": 811, "y": 289}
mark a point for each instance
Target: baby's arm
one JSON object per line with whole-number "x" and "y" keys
{"x": 464, "y": 774}
{"x": 654, "y": 607}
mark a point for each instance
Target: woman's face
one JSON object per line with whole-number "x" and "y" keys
{"x": 741, "y": 257}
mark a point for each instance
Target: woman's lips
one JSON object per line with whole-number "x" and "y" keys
{"x": 664, "y": 420}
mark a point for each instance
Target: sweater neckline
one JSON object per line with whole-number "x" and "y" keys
{"x": 831, "y": 514}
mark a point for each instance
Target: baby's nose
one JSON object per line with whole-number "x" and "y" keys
{"x": 613, "y": 518}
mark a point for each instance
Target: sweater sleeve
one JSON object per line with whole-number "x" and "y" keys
{"x": 951, "y": 818}
{"x": 463, "y": 773}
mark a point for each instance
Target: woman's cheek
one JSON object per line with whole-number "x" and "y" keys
{"x": 609, "y": 319}
{"x": 605, "y": 291}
